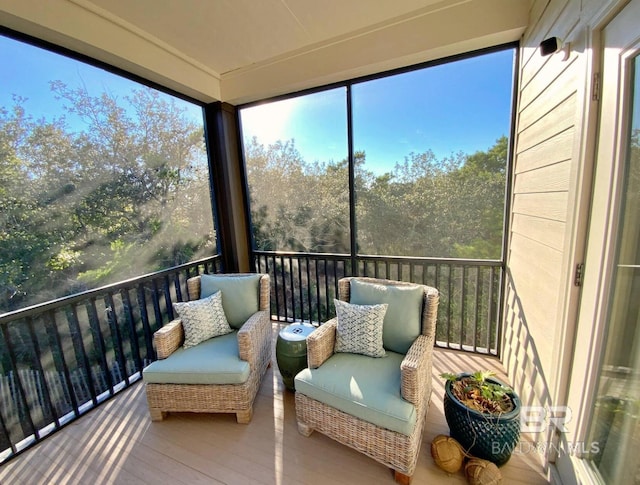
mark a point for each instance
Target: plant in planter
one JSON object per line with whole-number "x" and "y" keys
{"x": 483, "y": 415}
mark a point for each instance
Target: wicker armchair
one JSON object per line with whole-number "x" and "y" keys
{"x": 394, "y": 449}
{"x": 254, "y": 347}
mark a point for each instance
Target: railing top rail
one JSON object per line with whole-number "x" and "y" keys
{"x": 301, "y": 254}
{"x": 66, "y": 300}
{"x": 372, "y": 257}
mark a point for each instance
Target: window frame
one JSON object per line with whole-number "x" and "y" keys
{"x": 354, "y": 254}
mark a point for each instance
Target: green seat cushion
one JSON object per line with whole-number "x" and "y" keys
{"x": 214, "y": 361}
{"x": 362, "y": 386}
{"x": 403, "y": 320}
{"x": 240, "y": 295}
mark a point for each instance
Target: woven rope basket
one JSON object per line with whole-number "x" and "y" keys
{"x": 447, "y": 453}
{"x": 482, "y": 472}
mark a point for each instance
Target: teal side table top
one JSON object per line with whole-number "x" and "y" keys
{"x": 291, "y": 351}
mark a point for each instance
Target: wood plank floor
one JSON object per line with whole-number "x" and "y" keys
{"x": 117, "y": 443}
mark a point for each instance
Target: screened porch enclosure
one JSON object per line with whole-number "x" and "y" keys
{"x": 394, "y": 176}
{"x": 63, "y": 357}
{"x": 133, "y": 194}
{"x": 299, "y": 167}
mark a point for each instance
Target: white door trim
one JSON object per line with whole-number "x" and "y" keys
{"x": 620, "y": 42}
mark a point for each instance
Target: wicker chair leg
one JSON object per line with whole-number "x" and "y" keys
{"x": 244, "y": 417}
{"x": 157, "y": 414}
{"x": 401, "y": 478}
{"x": 304, "y": 429}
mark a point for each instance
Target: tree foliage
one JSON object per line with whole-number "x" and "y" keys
{"x": 128, "y": 194}
{"x": 423, "y": 207}
{"x": 125, "y": 195}
{"x": 296, "y": 205}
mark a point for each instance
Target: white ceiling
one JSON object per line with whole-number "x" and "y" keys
{"x": 244, "y": 50}
{"x": 229, "y": 34}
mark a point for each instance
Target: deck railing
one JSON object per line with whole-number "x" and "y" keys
{"x": 61, "y": 358}
{"x": 303, "y": 286}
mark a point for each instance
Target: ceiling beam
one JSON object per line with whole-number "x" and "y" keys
{"x": 435, "y": 34}
{"x": 439, "y": 30}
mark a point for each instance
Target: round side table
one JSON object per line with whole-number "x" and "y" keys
{"x": 291, "y": 351}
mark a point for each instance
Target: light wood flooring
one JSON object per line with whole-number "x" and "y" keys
{"x": 117, "y": 443}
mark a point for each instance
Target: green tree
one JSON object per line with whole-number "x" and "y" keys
{"x": 424, "y": 207}
{"x": 126, "y": 195}
{"x": 484, "y": 176}
{"x": 296, "y": 205}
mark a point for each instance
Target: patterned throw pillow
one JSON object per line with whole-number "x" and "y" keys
{"x": 359, "y": 329}
{"x": 202, "y": 319}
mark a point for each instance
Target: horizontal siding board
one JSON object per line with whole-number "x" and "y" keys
{"x": 536, "y": 23}
{"x": 558, "y": 19}
{"x": 558, "y": 119}
{"x": 534, "y": 269}
{"x": 545, "y": 231}
{"x": 536, "y": 293}
{"x": 534, "y": 331}
{"x": 552, "y": 205}
{"x": 556, "y": 82}
{"x": 550, "y": 67}
{"x": 542, "y": 261}
{"x": 536, "y": 12}
{"x": 552, "y": 178}
{"x": 553, "y": 150}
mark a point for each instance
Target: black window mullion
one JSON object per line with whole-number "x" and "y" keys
{"x": 352, "y": 183}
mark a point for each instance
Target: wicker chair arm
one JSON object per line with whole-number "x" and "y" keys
{"x": 251, "y": 337}
{"x": 168, "y": 339}
{"x": 415, "y": 371}
{"x": 320, "y": 344}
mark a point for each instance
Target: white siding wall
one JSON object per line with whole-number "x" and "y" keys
{"x": 546, "y": 128}
{"x": 555, "y": 125}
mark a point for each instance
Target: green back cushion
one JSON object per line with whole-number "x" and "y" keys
{"x": 240, "y": 295}
{"x": 402, "y": 322}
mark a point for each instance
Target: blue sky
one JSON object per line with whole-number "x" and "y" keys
{"x": 26, "y": 71}
{"x": 462, "y": 106}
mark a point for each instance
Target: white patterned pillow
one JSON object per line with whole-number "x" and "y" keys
{"x": 359, "y": 329}
{"x": 202, "y": 319}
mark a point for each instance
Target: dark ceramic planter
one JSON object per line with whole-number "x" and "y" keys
{"x": 487, "y": 436}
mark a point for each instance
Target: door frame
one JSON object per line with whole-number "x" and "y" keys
{"x": 600, "y": 250}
